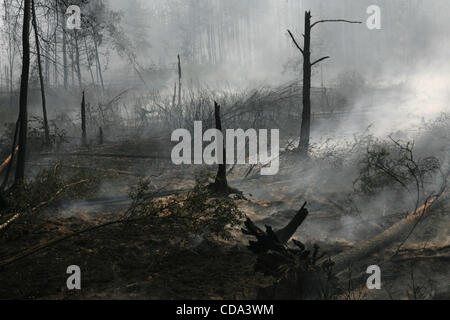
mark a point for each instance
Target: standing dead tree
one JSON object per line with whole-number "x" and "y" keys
{"x": 221, "y": 178}
{"x": 307, "y": 66}
{"x": 220, "y": 185}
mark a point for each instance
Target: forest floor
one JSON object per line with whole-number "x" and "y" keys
{"x": 136, "y": 260}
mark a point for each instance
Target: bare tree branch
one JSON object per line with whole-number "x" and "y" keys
{"x": 295, "y": 41}
{"x": 321, "y": 59}
{"x": 339, "y": 20}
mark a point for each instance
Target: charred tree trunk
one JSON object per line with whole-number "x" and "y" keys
{"x": 179, "y": 81}
{"x": 271, "y": 240}
{"x": 23, "y": 112}
{"x": 220, "y": 184}
{"x": 306, "y": 114}
{"x": 83, "y": 122}
{"x": 221, "y": 177}
{"x": 41, "y": 78}
{"x": 307, "y": 66}
{"x": 296, "y": 270}
{"x": 100, "y": 135}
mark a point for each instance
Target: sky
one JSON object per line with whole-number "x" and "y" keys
{"x": 411, "y": 48}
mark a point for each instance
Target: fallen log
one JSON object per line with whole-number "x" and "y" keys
{"x": 366, "y": 248}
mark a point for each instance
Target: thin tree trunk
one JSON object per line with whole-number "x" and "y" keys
{"x": 55, "y": 63}
{"x": 64, "y": 48}
{"x": 99, "y": 66}
{"x": 72, "y": 62}
{"x": 23, "y": 114}
{"x": 83, "y": 122}
{"x": 174, "y": 95}
{"x": 41, "y": 78}
{"x": 179, "y": 81}
{"x": 77, "y": 61}
{"x": 89, "y": 61}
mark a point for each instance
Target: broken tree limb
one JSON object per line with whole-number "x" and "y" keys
{"x": 53, "y": 242}
{"x": 9, "y": 221}
{"x": 265, "y": 241}
{"x": 287, "y": 232}
{"x": 13, "y": 152}
{"x": 8, "y": 160}
{"x": 337, "y": 20}
{"x": 270, "y": 240}
{"x": 105, "y": 155}
{"x": 320, "y": 60}
{"x": 295, "y": 41}
{"x": 297, "y": 274}
{"x": 41, "y": 205}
